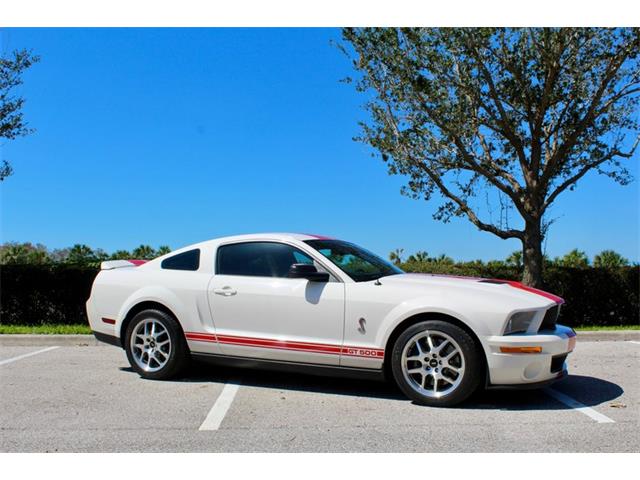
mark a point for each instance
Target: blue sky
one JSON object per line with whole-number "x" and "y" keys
{"x": 174, "y": 136}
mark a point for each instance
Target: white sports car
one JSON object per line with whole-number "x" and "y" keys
{"x": 316, "y": 304}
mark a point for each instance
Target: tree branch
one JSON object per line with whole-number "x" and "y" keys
{"x": 585, "y": 169}
{"x": 614, "y": 65}
{"x": 507, "y": 131}
{"x": 464, "y": 208}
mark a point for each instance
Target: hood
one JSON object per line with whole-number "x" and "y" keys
{"x": 490, "y": 286}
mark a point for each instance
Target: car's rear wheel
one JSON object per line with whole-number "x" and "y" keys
{"x": 436, "y": 363}
{"x": 155, "y": 345}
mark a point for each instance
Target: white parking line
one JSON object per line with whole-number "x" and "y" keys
{"x": 580, "y": 407}
{"x": 220, "y": 408}
{"x": 633, "y": 341}
{"x": 20, "y": 357}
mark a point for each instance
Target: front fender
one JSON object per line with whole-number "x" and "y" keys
{"x": 424, "y": 306}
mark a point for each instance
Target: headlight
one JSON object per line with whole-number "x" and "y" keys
{"x": 519, "y": 322}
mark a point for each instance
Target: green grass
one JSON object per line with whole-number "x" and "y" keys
{"x": 55, "y": 329}
{"x": 607, "y": 328}
{"x": 47, "y": 329}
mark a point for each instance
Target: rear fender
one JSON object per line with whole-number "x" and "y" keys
{"x": 157, "y": 294}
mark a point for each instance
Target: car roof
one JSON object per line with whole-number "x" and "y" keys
{"x": 272, "y": 235}
{"x": 277, "y": 236}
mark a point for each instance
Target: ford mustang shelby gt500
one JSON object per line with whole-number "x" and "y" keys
{"x": 317, "y": 304}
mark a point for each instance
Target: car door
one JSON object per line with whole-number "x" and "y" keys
{"x": 260, "y": 313}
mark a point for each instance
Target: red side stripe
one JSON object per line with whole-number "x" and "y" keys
{"x": 288, "y": 345}
{"x": 280, "y": 346}
{"x": 201, "y": 337}
{"x": 283, "y": 342}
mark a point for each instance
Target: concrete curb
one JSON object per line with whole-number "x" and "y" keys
{"x": 614, "y": 335}
{"x": 18, "y": 340}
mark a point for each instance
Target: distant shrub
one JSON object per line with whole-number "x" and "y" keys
{"x": 39, "y": 294}
{"x": 593, "y": 296}
{"x": 597, "y": 296}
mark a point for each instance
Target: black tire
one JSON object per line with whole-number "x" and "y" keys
{"x": 471, "y": 376}
{"x": 178, "y": 356}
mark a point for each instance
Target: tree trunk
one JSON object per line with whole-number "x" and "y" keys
{"x": 532, "y": 254}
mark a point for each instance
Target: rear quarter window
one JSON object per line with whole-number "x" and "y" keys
{"x": 189, "y": 260}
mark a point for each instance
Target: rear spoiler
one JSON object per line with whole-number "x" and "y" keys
{"x": 111, "y": 264}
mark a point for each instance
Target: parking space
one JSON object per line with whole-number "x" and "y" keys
{"x": 13, "y": 354}
{"x": 88, "y": 399}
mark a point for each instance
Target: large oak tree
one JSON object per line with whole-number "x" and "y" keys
{"x": 521, "y": 114}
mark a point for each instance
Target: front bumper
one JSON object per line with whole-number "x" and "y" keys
{"x": 529, "y": 369}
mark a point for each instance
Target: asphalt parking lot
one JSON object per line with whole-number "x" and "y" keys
{"x": 86, "y": 399}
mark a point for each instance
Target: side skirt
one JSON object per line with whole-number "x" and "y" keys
{"x": 283, "y": 366}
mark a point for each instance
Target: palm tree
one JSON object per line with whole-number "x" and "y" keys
{"x": 396, "y": 256}
{"x": 515, "y": 259}
{"x": 574, "y": 259}
{"x": 80, "y": 254}
{"x": 121, "y": 255}
{"x": 12, "y": 253}
{"x": 421, "y": 257}
{"x": 143, "y": 252}
{"x": 442, "y": 259}
{"x": 609, "y": 259}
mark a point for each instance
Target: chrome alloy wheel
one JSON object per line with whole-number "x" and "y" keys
{"x": 433, "y": 363}
{"x": 150, "y": 345}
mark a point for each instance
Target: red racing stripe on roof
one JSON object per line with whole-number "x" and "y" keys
{"x": 318, "y": 237}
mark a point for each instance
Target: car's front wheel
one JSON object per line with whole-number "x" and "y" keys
{"x": 155, "y": 345}
{"x": 436, "y": 363}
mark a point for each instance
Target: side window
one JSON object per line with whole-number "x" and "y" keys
{"x": 258, "y": 259}
{"x": 183, "y": 261}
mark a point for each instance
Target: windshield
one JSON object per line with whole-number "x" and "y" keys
{"x": 360, "y": 264}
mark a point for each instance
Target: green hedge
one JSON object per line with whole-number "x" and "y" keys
{"x": 593, "y": 296}
{"x": 40, "y": 294}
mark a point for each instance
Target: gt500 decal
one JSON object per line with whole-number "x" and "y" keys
{"x": 287, "y": 345}
{"x": 362, "y": 352}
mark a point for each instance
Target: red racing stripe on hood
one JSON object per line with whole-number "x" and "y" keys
{"x": 542, "y": 293}
{"x": 514, "y": 284}
{"x": 511, "y": 283}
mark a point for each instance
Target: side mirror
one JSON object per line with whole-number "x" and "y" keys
{"x": 310, "y": 272}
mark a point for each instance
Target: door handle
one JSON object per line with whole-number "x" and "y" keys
{"x": 225, "y": 292}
